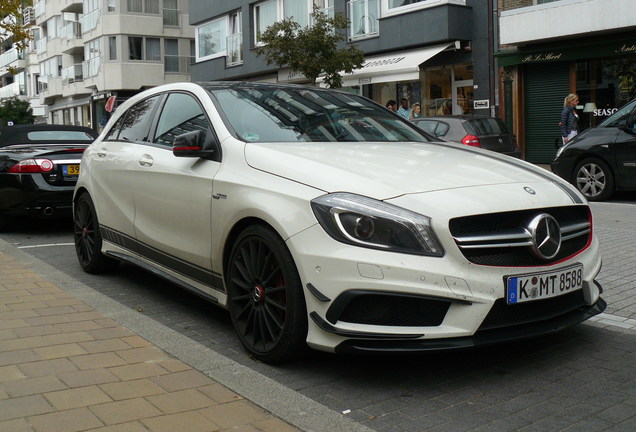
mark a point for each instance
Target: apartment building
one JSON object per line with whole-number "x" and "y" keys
{"x": 15, "y": 66}
{"x": 434, "y": 52}
{"x": 89, "y": 51}
{"x": 550, "y": 48}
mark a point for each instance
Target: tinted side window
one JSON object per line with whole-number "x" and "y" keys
{"x": 113, "y": 133}
{"x": 137, "y": 121}
{"x": 485, "y": 126}
{"x": 180, "y": 114}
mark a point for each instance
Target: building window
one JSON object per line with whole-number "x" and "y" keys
{"x": 171, "y": 56}
{"x": 268, "y": 12}
{"x": 140, "y": 48}
{"x": 234, "y": 39}
{"x": 111, "y": 5}
{"x": 363, "y": 15}
{"x": 210, "y": 39}
{"x": 112, "y": 48}
{"x": 143, "y": 6}
{"x": 170, "y": 13}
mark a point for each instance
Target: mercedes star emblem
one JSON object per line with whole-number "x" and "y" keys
{"x": 546, "y": 236}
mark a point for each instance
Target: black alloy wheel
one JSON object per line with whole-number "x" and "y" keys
{"x": 594, "y": 179}
{"x": 88, "y": 239}
{"x": 265, "y": 296}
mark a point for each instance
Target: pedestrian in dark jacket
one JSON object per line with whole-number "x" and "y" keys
{"x": 569, "y": 118}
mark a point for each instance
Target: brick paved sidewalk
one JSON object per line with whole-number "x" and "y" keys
{"x": 65, "y": 367}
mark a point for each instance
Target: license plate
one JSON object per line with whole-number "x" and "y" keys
{"x": 538, "y": 286}
{"x": 71, "y": 170}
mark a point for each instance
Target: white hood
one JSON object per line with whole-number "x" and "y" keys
{"x": 386, "y": 170}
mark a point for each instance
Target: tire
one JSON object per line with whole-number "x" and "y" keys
{"x": 265, "y": 296}
{"x": 88, "y": 239}
{"x": 594, "y": 179}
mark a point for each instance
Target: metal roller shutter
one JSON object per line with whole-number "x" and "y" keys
{"x": 546, "y": 85}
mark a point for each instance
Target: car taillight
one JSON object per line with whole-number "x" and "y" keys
{"x": 471, "y": 140}
{"x": 32, "y": 166}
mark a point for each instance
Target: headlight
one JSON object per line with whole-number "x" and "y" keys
{"x": 370, "y": 223}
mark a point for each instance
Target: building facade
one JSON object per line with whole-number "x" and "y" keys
{"x": 550, "y": 48}
{"x": 88, "y": 51}
{"x": 434, "y": 52}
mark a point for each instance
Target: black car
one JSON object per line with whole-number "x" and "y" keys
{"x": 39, "y": 165}
{"x": 489, "y": 133}
{"x": 602, "y": 160}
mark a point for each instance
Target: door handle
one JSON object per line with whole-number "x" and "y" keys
{"x": 102, "y": 152}
{"x": 146, "y": 161}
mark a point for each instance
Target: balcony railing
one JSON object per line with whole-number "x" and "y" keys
{"x": 171, "y": 17}
{"x": 89, "y": 21}
{"x": 72, "y": 30}
{"x": 10, "y": 56}
{"x": 364, "y": 18}
{"x": 40, "y": 46}
{"x": 72, "y": 74}
{"x": 90, "y": 67}
{"x": 177, "y": 64}
{"x": 234, "y": 49}
{"x": 40, "y": 8}
{"x": 11, "y": 90}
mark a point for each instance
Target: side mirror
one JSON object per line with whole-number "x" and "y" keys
{"x": 190, "y": 144}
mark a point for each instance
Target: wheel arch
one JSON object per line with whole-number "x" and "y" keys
{"x": 590, "y": 155}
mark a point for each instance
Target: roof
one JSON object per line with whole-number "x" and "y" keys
{"x": 19, "y": 134}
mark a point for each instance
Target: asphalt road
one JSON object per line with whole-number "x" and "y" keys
{"x": 583, "y": 379}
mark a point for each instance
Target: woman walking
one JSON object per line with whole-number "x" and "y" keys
{"x": 569, "y": 118}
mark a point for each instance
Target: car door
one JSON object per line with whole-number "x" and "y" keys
{"x": 173, "y": 195}
{"x": 111, "y": 162}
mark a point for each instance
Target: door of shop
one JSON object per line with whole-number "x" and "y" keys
{"x": 546, "y": 85}
{"x": 462, "y": 94}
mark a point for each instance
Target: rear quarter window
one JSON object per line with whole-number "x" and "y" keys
{"x": 485, "y": 126}
{"x": 59, "y": 135}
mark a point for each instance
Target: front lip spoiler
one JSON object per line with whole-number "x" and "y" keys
{"x": 481, "y": 338}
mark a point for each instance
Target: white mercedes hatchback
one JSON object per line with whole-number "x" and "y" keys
{"x": 320, "y": 218}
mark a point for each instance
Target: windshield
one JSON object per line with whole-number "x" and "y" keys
{"x": 287, "y": 115}
{"x": 621, "y": 117}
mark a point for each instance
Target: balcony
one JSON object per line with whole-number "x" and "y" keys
{"x": 234, "y": 49}
{"x": 12, "y": 90}
{"x": 11, "y": 58}
{"x": 72, "y": 74}
{"x": 89, "y": 21}
{"x": 177, "y": 64}
{"x": 364, "y": 19}
{"x": 535, "y": 20}
{"x": 39, "y": 8}
{"x": 40, "y": 46}
{"x": 72, "y": 30}
{"x": 90, "y": 67}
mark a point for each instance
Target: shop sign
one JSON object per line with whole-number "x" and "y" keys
{"x": 101, "y": 96}
{"x": 541, "y": 57}
{"x": 604, "y": 111}
{"x": 626, "y": 49}
{"x": 481, "y": 104}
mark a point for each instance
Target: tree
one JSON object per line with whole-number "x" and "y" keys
{"x": 15, "y": 110}
{"x": 311, "y": 50}
{"x": 12, "y": 22}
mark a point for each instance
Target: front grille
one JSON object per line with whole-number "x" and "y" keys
{"x": 505, "y": 315}
{"x": 503, "y": 239}
{"x": 393, "y": 310}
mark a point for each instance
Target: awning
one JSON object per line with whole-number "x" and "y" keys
{"x": 400, "y": 66}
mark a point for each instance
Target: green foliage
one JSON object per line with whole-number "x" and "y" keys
{"x": 312, "y": 50}
{"x": 16, "y": 110}
{"x": 12, "y": 22}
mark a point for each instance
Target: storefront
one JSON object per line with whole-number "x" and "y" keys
{"x": 535, "y": 83}
{"x": 439, "y": 89}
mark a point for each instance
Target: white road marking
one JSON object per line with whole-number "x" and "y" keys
{"x": 45, "y": 245}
